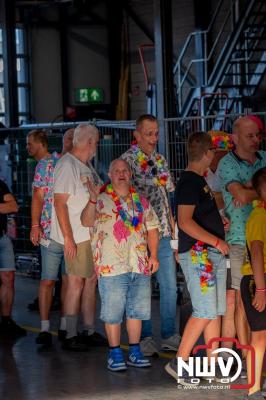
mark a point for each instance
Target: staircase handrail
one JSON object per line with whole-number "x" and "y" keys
{"x": 207, "y": 55}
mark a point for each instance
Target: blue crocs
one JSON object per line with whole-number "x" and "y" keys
{"x": 116, "y": 360}
{"x": 136, "y": 358}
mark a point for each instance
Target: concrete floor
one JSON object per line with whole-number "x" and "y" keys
{"x": 29, "y": 373}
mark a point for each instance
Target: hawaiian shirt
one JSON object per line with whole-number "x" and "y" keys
{"x": 231, "y": 169}
{"x": 117, "y": 249}
{"x": 157, "y": 195}
{"x": 44, "y": 179}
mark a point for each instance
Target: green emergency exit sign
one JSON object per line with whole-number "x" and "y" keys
{"x": 89, "y": 95}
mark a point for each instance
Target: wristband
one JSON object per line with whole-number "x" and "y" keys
{"x": 217, "y": 242}
{"x": 35, "y": 226}
{"x": 92, "y": 202}
{"x": 261, "y": 290}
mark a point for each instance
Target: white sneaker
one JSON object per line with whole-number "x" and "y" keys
{"x": 171, "y": 343}
{"x": 149, "y": 347}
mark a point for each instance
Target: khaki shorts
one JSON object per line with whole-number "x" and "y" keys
{"x": 82, "y": 265}
{"x": 236, "y": 254}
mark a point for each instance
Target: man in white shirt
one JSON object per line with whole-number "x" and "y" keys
{"x": 70, "y": 197}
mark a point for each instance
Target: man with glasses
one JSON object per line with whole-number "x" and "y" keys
{"x": 152, "y": 179}
{"x": 235, "y": 171}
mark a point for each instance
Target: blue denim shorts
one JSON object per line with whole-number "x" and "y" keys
{"x": 213, "y": 303}
{"x": 129, "y": 292}
{"x": 52, "y": 261}
{"x": 7, "y": 258}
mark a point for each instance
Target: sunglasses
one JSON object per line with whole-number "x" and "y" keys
{"x": 154, "y": 170}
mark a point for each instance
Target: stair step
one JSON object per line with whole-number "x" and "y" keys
{"x": 236, "y": 86}
{"x": 250, "y": 50}
{"x": 254, "y": 26}
{"x": 263, "y": 13}
{"x": 234, "y": 61}
{"x": 255, "y": 37}
{"x": 243, "y": 73}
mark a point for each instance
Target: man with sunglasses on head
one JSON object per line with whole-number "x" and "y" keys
{"x": 152, "y": 179}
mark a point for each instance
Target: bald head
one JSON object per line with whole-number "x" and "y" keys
{"x": 244, "y": 124}
{"x": 246, "y": 136}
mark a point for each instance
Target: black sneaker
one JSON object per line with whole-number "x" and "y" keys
{"x": 74, "y": 344}
{"x": 61, "y": 335}
{"x": 44, "y": 338}
{"x": 185, "y": 379}
{"x": 244, "y": 372}
{"x": 10, "y": 328}
{"x": 96, "y": 339}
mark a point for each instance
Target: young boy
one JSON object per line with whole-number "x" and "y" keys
{"x": 201, "y": 250}
{"x": 253, "y": 284}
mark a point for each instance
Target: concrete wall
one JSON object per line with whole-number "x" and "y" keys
{"x": 183, "y": 24}
{"x": 46, "y": 75}
{"x": 88, "y": 66}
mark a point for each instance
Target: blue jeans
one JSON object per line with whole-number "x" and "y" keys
{"x": 7, "y": 258}
{"x": 212, "y": 303}
{"x": 166, "y": 276}
{"x": 129, "y": 292}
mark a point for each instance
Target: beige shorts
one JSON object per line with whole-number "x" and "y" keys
{"x": 82, "y": 265}
{"x": 236, "y": 254}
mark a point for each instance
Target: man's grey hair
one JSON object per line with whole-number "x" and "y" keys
{"x": 111, "y": 166}
{"x": 83, "y": 133}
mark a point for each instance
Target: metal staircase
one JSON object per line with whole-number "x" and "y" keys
{"x": 228, "y": 71}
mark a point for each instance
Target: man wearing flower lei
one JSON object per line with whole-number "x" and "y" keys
{"x": 235, "y": 171}
{"x": 253, "y": 284}
{"x": 151, "y": 178}
{"x": 201, "y": 250}
{"x": 126, "y": 226}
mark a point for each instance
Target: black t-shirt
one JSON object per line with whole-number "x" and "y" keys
{"x": 3, "y": 217}
{"x": 192, "y": 189}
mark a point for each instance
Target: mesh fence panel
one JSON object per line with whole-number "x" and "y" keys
{"x": 115, "y": 139}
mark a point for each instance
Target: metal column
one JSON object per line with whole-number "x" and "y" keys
{"x": 63, "y": 32}
{"x": 163, "y": 37}
{"x": 10, "y": 62}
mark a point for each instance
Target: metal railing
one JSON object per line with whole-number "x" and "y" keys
{"x": 115, "y": 139}
{"x": 202, "y": 60}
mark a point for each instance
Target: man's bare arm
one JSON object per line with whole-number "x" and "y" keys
{"x": 36, "y": 212}
{"x": 9, "y": 205}
{"x": 191, "y": 228}
{"x": 61, "y": 209}
{"x": 153, "y": 244}
{"x": 242, "y": 194}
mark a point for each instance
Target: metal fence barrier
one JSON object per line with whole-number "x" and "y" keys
{"x": 17, "y": 168}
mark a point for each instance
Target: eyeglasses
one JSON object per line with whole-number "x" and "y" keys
{"x": 154, "y": 170}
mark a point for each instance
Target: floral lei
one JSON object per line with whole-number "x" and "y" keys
{"x": 132, "y": 223}
{"x": 199, "y": 255}
{"x": 259, "y": 204}
{"x": 161, "y": 175}
{"x": 222, "y": 140}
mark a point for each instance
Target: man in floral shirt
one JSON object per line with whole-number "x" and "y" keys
{"x": 41, "y": 209}
{"x": 126, "y": 226}
{"x": 151, "y": 178}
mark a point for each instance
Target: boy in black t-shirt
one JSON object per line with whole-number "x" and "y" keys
{"x": 7, "y": 266}
{"x": 201, "y": 252}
